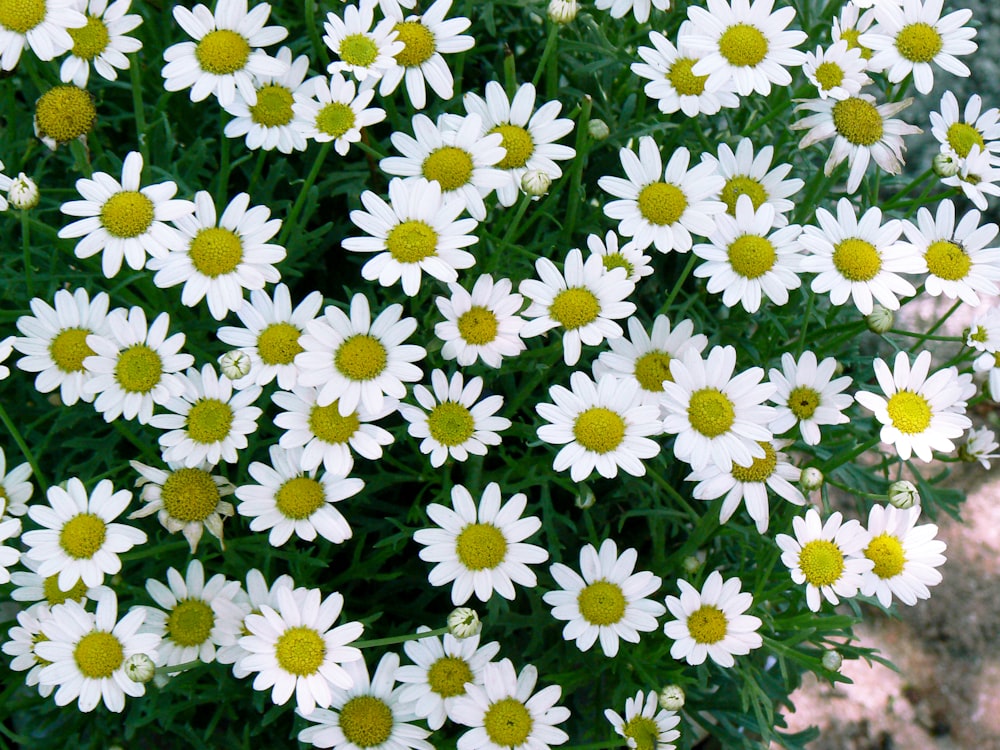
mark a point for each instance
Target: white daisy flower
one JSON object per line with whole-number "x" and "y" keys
{"x": 639, "y": 8}
{"x": 256, "y": 594}
{"x": 437, "y": 677}
{"x": 716, "y": 416}
{"x": 746, "y": 261}
{"x": 481, "y": 325}
{"x": 454, "y": 153}
{"x": 354, "y": 360}
{"x": 671, "y": 81}
{"x": 837, "y": 72}
{"x": 209, "y": 422}
{"x": 958, "y": 132}
{"x": 269, "y": 121}
{"x": 219, "y": 258}
{"x": 528, "y": 136}
{"x": 608, "y": 602}
{"x": 6, "y": 347}
{"x": 370, "y": 714}
{"x": 603, "y": 425}
{"x": 196, "y": 618}
{"x": 449, "y": 422}
{"x": 10, "y": 528}
{"x": 663, "y": 207}
{"x": 364, "y": 52}
{"x": 906, "y": 556}
{"x": 859, "y": 259}
{"x": 15, "y": 489}
{"x": 980, "y": 445}
{"x": 861, "y": 131}
{"x": 21, "y": 645}
{"x": 225, "y": 55}
{"x": 911, "y": 34}
{"x": 122, "y": 220}
{"x": 976, "y": 177}
{"x": 102, "y": 42}
{"x": 86, "y": 654}
{"x": 826, "y": 557}
{"x": 425, "y": 38}
{"x": 5, "y": 185}
{"x": 504, "y": 714}
{"x": 628, "y": 256}
{"x": 270, "y": 335}
{"x": 989, "y": 362}
{"x": 643, "y": 726}
{"x": 78, "y": 539}
{"x": 55, "y": 341}
{"x": 29, "y": 586}
{"x": 481, "y": 549}
{"x": 294, "y": 648}
{"x": 326, "y": 436}
{"x": 710, "y": 623}
{"x": 418, "y": 230}
{"x": 917, "y": 411}
{"x": 808, "y": 395}
{"x": 332, "y": 110}
{"x": 746, "y": 43}
{"x": 584, "y": 299}
{"x": 984, "y": 333}
{"x": 185, "y": 498}
{"x": 41, "y": 26}
{"x": 854, "y": 20}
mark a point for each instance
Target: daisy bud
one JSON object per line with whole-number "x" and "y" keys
{"x": 535, "y": 182}
{"x": 235, "y": 364}
{"x": 832, "y": 661}
{"x": 139, "y": 668}
{"x": 811, "y": 479}
{"x": 880, "y": 320}
{"x": 692, "y": 564}
{"x": 672, "y": 698}
{"x": 563, "y": 11}
{"x": 903, "y": 494}
{"x": 464, "y": 622}
{"x": 945, "y": 165}
{"x": 586, "y": 498}
{"x": 23, "y": 192}
{"x": 598, "y": 129}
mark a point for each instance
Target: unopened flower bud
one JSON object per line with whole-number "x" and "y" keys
{"x": 832, "y": 660}
{"x": 691, "y": 564}
{"x": 535, "y": 182}
{"x": 563, "y": 11}
{"x": 23, "y": 192}
{"x": 945, "y": 165}
{"x": 598, "y": 129}
{"x": 811, "y": 479}
{"x": 672, "y": 698}
{"x": 139, "y": 668}
{"x": 585, "y": 499}
{"x": 235, "y": 364}
{"x": 880, "y": 320}
{"x": 903, "y": 494}
{"x": 464, "y": 622}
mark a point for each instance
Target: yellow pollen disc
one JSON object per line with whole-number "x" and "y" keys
{"x": 335, "y": 119}
{"x": 450, "y": 166}
{"x": 21, "y": 16}
{"x": 358, "y": 49}
{"x": 418, "y": 43}
{"x": 601, "y": 603}
{"x": 575, "y": 308}
{"x": 599, "y": 430}
{"x": 411, "y": 241}
{"x": 856, "y": 259}
{"x": 481, "y": 546}
{"x": 751, "y": 256}
{"x": 326, "y": 423}
{"x": 209, "y": 421}
{"x": 64, "y": 113}
{"x": 450, "y": 423}
{"x": 139, "y": 369}
{"x": 507, "y": 723}
{"x": 366, "y": 721}
{"x": 910, "y": 413}
{"x": 361, "y": 357}
{"x": 98, "y": 655}
{"x": 91, "y": 40}
{"x": 707, "y": 624}
{"x": 127, "y": 214}
{"x": 972, "y": 179}
{"x": 300, "y": 651}
{"x": 851, "y": 37}
{"x": 919, "y": 42}
{"x": 478, "y": 326}
{"x": 448, "y": 675}
{"x": 962, "y": 137}
{"x": 215, "y": 252}
{"x": 980, "y": 335}
{"x": 683, "y": 80}
{"x": 887, "y": 554}
{"x": 948, "y": 261}
{"x": 190, "y": 623}
{"x": 643, "y": 731}
{"x": 743, "y": 45}
{"x": 274, "y": 106}
{"x": 190, "y": 495}
{"x": 617, "y": 260}
{"x": 822, "y": 562}
{"x": 518, "y": 143}
{"x": 69, "y": 348}
{"x": 829, "y": 75}
{"x": 996, "y": 359}
{"x": 83, "y": 535}
{"x": 741, "y": 184}
{"x": 278, "y": 344}
{"x": 803, "y": 401}
{"x": 761, "y": 469}
{"x": 710, "y": 412}
{"x": 661, "y": 203}
{"x": 858, "y": 121}
{"x": 299, "y": 498}
{"x": 222, "y": 52}
{"x": 651, "y": 369}
{"x": 55, "y": 595}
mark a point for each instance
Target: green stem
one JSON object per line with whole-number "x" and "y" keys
{"x": 944, "y": 317}
{"x": 16, "y": 434}
{"x": 926, "y": 337}
{"x": 688, "y": 267}
{"x": 597, "y": 745}
{"x": 512, "y": 227}
{"x": 179, "y": 667}
{"x": 674, "y": 494}
{"x": 29, "y": 283}
{"x": 576, "y": 177}
{"x": 81, "y": 158}
{"x": 550, "y": 46}
{"x": 300, "y": 201}
{"x": 320, "y": 49}
{"x": 842, "y": 458}
{"x": 258, "y": 168}
{"x": 805, "y": 321}
{"x": 221, "y": 192}
{"x": 139, "y": 111}
{"x": 393, "y": 639}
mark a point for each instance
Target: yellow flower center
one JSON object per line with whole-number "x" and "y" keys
{"x": 216, "y": 252}
{"x": 91, "y": 40}
{"x": 948, "y": 261}
{"x": 518, "y": 143}
{"x": 21, "y": 16}
{"x": 222, "y": 52}
{"x": 643, "y": 732}
{"x": 450, "y": 423}
{"x": 190, "y": 623}
{"x": 209, "y": 421}
{"x": 683, "y": 80}
{"x": 326, "y": 423}
{"x": 910, "y": 413}
{"x": 707, "y": 624}
{"x": 278, "y": 344}
{"x": 366, "y": 721}
{"x": 856, "y": 259}
{"x": 981, "y": 334}
{"x": 822, "y": 562}
{"x": 300, "y": 651}
{"x": 98, "y": 655}
{"x": 126, "y": 214}
{"x": 575, "y": 307}
{"x": 55, "y": 595}
{"x": 335, "y": 119}
{"x": 761, "y": 469}
{"x": 741, "y": 184}
{"x": 418, "y": 43}
{"x": 507, "y": 723}
{"x": 601, "y": 603}
{"x": 450, "y": 166}
{"x": 361, "y": 357}
{"x": 64, "y": 113}
{"x": 617, "y": 260}
{"x": 448, "y": 675}
{"x": 599, "y": 429}
{"x": 661, "y": 203}
{"x": 886, "y": 552}
{"x": 743, "y": 45}
{"x": 919, "y": 42}
{"x": 858, "y": 121}
{"x": 83, "y": 535}
{"x": 829, "y": 75}
{"x": 139, "y": 369}
{"x": 190, "y": 495}
{"x": 962, "y": 137}
{"x": 651, "y": 369}
{"x": 751, "y": 256}
{"x": 803, "y": 401}
{"x": 710, "y": 412}
{"x": 358, "y": 49}
{"x": 69, "y": 348}
{"x": 851, "y": 37}
{"x": 274, "y": 106}
{"x": 478, "y": 326}
{"x": 481, "y": 546}
{"x": 411, "y": 241}
{"x": 300, "y": 497}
